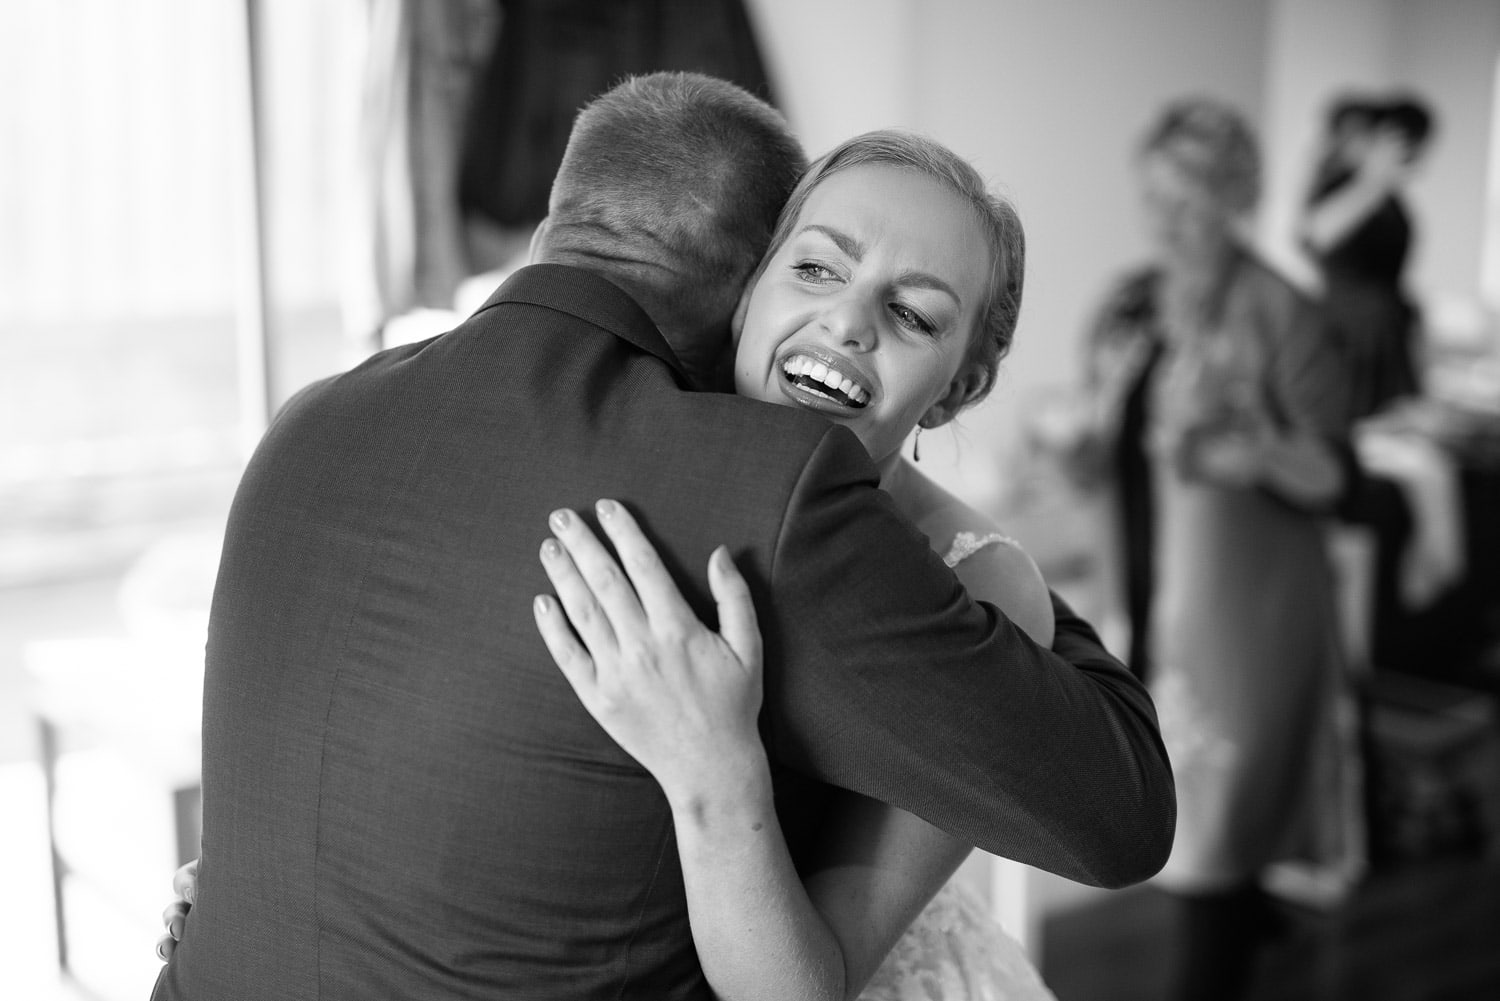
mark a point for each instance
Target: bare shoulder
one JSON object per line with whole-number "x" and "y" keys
{"x": 992, "y": 566}
{"x": 996, "y": 569}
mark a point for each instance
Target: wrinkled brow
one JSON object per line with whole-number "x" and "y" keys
{"x": 854, "y": 249}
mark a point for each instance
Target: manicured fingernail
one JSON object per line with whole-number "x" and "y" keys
{"x": 559, "y": 520}
{"x": 722, "y": 563}
{"x": 551, "y": 549}
{"x": 606, "y": 508}
{"x": 541, "y": 604}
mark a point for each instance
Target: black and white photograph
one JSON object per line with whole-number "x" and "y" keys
{"x": 750, "y": 500}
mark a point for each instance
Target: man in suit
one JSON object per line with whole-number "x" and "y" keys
{"x": 401, "y": 795}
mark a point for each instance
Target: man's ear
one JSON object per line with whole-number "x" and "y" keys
{"x": 967, "y": 386}
{"x": 538, "y": 236}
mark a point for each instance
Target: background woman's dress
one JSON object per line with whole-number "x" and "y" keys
{"x": 1247, "y": 673}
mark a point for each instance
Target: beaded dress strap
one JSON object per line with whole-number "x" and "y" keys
{"x": 966, "y": 544}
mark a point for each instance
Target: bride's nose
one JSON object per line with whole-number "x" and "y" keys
{"x": 851, "y": 323}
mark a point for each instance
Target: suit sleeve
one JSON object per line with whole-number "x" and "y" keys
{"x": 884, "y": 677}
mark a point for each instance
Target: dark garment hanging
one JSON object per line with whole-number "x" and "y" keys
{"x": 1131, "y": 314}
{"x": 1137, "y": 510}
{"x": 449, "y": 44}
{"x": 553, "y": 56}
{"x": 1138, "y": 515}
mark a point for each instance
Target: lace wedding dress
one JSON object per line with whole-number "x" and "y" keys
{"x": 954, "y": 950}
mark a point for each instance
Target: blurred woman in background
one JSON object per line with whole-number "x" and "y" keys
{"x": 1220, "y": 415}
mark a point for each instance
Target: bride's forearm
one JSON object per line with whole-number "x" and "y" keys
{"x": 757, "y": 933}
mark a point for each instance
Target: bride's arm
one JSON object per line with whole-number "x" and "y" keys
{"x": 683, "y": 701}
{"x": 876, "y": 866}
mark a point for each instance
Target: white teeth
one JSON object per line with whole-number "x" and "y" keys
{"x": 801, "y": 365}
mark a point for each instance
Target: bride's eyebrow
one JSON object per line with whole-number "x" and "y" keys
{"x": 921, "y": 279}
{"x": 846, "y": 243}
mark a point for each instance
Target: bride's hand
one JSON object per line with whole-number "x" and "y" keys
{"x": 679, "y": 698}
{"x": 174, "y": 917}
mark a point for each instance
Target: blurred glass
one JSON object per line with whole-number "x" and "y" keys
{"x": 167, "y": 277}
{"x": 120, "y": 403}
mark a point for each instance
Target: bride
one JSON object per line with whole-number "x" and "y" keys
{"x": 886, "y": 301}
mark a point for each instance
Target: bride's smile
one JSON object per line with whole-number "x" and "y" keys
{"x": 826, "y": 380}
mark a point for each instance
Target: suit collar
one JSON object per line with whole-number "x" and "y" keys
{"x": 591, "y": 298}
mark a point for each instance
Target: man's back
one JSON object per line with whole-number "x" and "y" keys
{"x": 402, "y": 796}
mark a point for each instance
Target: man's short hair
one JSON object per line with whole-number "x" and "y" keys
{"x": 671, "y": 185}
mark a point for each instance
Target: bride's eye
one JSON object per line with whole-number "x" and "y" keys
{"x": 812, "y": 271}
{"x": 911, "y": 319}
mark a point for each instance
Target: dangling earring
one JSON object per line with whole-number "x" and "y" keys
{"x": 916, "y": 446}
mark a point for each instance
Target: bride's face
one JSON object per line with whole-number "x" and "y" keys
{"x": 865, "y": 313}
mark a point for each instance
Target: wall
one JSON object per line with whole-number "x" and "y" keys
{"x": 840, "y": 66}
{"x": 1450, "y": 51}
